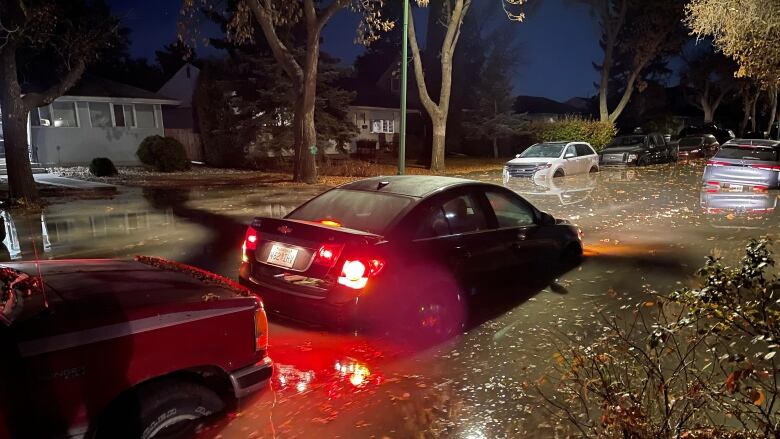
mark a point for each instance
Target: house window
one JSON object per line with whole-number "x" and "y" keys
{"x": 64, "y": 114}
{"x": 123, "y": 116}
{"x": 100, "y": 114}
{"x": 383, "y": 126}
{"x": 144, "y": 115}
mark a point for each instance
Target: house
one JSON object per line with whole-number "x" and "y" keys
{"x": 180, "y": 120}
{"x": 96, "y": 118}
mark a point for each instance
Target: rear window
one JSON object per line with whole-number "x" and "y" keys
{"x": 691, "y": 141}
{"x": 369, "y": 212}
{"x": 747, "y": 153}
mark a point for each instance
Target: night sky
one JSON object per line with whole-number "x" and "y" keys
{"x": 559, "y": 42}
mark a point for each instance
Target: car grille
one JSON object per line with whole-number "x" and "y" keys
{"x": 614, "y": 158}
{"x": 521, "y": 170}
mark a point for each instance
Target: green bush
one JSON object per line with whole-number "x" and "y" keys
{"x": 102, "y": 167}
{"x": 575, "y": 128}
{"x": 164, "y": 154}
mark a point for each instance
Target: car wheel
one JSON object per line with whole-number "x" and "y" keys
{"x": 435, "y": 310}
{"x": 161, "y": 410}
{"x": 593, "y": 169}
{"x": 558, "y": 173}
{"x": 642, "y": 161}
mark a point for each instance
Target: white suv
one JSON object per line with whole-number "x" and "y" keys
{"x": 553, "y": 159}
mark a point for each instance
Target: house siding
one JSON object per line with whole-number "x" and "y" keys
{"x": 79, "y": 145}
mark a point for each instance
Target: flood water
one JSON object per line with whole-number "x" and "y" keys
{"x": 645, "y": 230}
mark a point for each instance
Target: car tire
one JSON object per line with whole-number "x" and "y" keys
{"x": 435, "y": 310}
{"x": 642, "y": 161}
{"x": 559, "y": 173}
{"x": 593, "y": 169}
{"x": 169, "y": 409}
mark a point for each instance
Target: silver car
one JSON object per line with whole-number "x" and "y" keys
{"x": 744, "y": 165}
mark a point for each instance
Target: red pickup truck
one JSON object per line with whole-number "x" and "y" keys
{"x": 123, "y": 349}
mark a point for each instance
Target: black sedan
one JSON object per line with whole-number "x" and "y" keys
{"x": 406, "y": 249}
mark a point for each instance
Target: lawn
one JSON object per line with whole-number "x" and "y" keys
{"x": 333, "y": 174}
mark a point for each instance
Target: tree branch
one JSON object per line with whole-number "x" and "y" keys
{"x": 430, "y": 106}
{"x": 34, "y": 100}
{"x": 282, "y": 54}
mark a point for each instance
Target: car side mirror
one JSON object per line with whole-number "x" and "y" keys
{"x": 517, "y": 156}
{"x": 547, "y": 219}
{"x": 570, "y": 155}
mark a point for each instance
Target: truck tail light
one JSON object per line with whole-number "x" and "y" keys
{"x": 261, "y": 330}
{"x": 250, "y": 243}
{"x": 712, "y": 186}
{"x": 328, "y": 254}
{"x": 356, "y": 272}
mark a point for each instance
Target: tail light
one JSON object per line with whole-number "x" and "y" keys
{"x": 261, "y": 329}
{"x": 250, "y": 243}
{"x": 355, "y": 273}
{"x": 761, "y": 189}
{"x": 766, "y": 167}
{"x": 713, "y": 186}
{"x": 328, "y": 254}
{"x": 717, "y": 163}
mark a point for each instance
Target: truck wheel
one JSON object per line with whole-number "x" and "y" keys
{"x": 642, "y": 161}
{"x": 163, "y": 410}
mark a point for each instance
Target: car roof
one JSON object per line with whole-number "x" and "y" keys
{"x": 754, "y": 142}
{"x": 418, "y": 186}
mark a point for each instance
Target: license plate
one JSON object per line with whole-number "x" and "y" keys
{"x": 735, "y": 188}
{"x": 282, "y": 256}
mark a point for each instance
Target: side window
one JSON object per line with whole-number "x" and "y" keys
{"x": 583, "y": 150}
{"x": 509, "y": 211}
{"x": 570, "y": 151}
{"x": 464, "y": 215}
{"x": 457, "y": 215}
{"x": 433, "y": 224}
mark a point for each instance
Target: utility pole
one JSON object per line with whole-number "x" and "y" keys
{"x": 404, "y": 83}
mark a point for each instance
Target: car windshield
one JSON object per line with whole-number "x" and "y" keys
{"x": 626, "y": 141}
{"x": 691, "y": 141}
{"x": 747, "y": 153}
{"x": 543, "y": 150}
{"x": 366, "y": 211}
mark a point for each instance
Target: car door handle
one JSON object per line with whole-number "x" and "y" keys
{"x": 522, "y": 236}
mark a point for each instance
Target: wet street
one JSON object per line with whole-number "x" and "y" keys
{"x": 646, "y": 230}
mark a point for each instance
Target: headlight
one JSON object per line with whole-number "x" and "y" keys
{"x": 631, "y": 157}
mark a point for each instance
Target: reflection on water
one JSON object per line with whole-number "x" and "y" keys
{"x": 161, "y": 222}
{"x": 722, "y": 202}
{"x": 567, "y": 190}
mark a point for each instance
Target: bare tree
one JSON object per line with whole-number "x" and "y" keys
{"x": 711, "y": 75}
{"x": 452, "y": 16}
{"x": 74, "y": 33}
{"x": 275, "y": 16}
{"x": 638, "y": 32}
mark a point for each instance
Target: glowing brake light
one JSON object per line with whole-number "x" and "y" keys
{"x": 250, "y": 243}
{"x": 328, "y": 254}
{"x": 330, "y": 223}
{"x": 355, "y": 273}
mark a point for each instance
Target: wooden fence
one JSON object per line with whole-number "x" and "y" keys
{"x": 190, "y": 140}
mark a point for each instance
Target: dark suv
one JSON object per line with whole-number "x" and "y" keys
{"x": 637, "y": 149}
{"x": 721, "y": 135}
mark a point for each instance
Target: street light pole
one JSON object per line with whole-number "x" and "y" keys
{"x": 404, "y": 83}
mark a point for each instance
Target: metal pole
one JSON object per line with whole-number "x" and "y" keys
{"x": 404, "y": 83}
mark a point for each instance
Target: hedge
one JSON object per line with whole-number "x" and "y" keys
{"x": 575, "y": 128}
{"x": 164, "y": 154}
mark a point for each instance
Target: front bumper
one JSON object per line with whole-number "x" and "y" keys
{"x": 251, "y": 379}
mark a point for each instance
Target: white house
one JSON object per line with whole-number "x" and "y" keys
{"x": 97, "y": 118}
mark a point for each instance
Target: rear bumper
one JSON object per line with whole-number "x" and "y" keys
{"x": 251, "y": 379}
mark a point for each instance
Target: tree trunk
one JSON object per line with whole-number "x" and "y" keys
{"x": 606, "y": 67}
{"x": 772, "y": 110}
{"x": 708, "y": 113}
{"x": 495, "y": 146}
{"x": 439, "y": 137}
{"x": 753, "y": 126}
{"x": 21, "y": 185}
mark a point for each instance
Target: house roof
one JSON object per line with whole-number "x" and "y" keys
{"x": 96, "y": 87}
{"x": 537, "y": 104}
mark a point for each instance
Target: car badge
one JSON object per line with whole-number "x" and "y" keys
{"x": 284, "y": 230}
